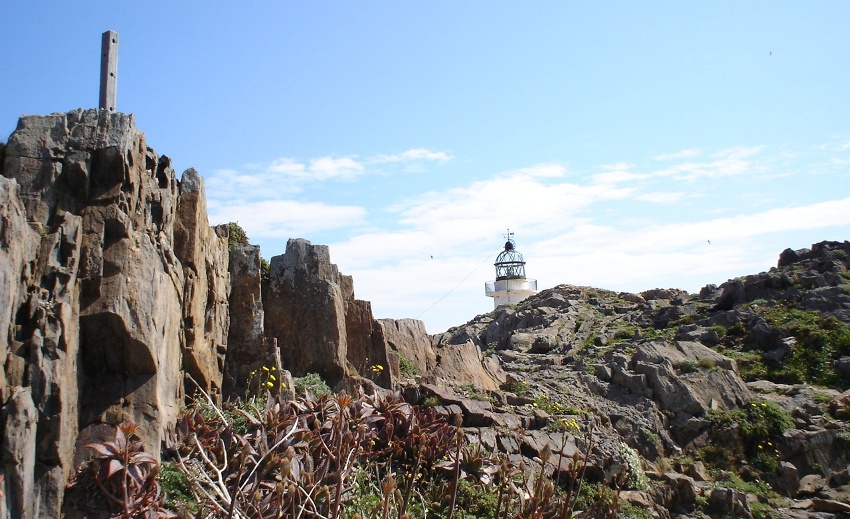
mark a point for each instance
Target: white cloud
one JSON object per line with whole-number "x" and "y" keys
{"x": 280, "y": 177}
{"x": 531, "y": 198}
{"x": 413, "y": 154}
{"x": 684, "y": 154}
{"x": 325, "y": 168}
{"x": 286, "y": 218}
{"x": 730, "y": 162}
{"x": 235, "y": 185}
{"x": 661, "y": 198}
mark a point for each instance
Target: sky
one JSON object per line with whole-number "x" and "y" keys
{"x": 629, "y": 145}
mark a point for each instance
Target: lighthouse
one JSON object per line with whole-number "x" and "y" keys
{"x": 510, "y": 286}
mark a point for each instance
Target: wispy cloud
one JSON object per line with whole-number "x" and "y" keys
{"x": 730, "y": 162}
{"x": 285, "y": 218}
{"x": 661, "y": 197}
{"x": 684, "y": 154}
{"x": 280, "y": 178}
{"x": 413, "y": 154}
{"x": 287, "y": 176}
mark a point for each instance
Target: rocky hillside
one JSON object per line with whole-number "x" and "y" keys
{"x": 119, "y": 304}
{"x": 735, "y": 398}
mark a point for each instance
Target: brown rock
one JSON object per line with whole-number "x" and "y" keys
{"x": 204, "y": 256}
{"x": 248, "y": 350}
{"x": 92, "y": 306}
{"x": 321, "y": 328}
{"x": 18, "y": 449}
{"x": 465, "y": 364}
{"x": 409, "y": 339}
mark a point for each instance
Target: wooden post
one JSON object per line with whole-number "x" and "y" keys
{"x": 108, "y": 70}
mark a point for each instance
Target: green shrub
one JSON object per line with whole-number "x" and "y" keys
{"x": 687, "y": 366}
{"x": 553, "y": 407}
{"x": 625, "y": 333}
{"x": 820, "y": 342}
{"x": 519, "y": 388}
{"x": 719, "y": 330}
{"x": 431, "y": 401}
{"x": 765, "y": 420}
{"x": 651, "y": 437}
{"x": 476, "y": 500}
{"x": 474, "y": 392}
{"x": 176, "y": 487}
{"x": 236, "y": 235}
{"x": 706, "y": 363}
{"x": 760, "y": 425}
{"x": 632, "y": 511}
{"x": 311, "y": 382}
{"x": 407, "y": 367}
{"x": 265, "y": 268}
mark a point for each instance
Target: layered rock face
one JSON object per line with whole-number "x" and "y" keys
{"x": 111, "y": 284}
{"x": 320, "y": 327}
{"x": 248, "y": 347}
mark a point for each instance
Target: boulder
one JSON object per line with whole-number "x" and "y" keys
{"x": 693, "y": 390}
{"x": 730, "y": 501}
{"x": 305, "y": 311}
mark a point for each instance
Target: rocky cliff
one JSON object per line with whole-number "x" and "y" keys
{"x": 117, "y": 300}
{"x": 93, "y": 295}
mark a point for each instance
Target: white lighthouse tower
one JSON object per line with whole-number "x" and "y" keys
{"x": 511, "y": 286}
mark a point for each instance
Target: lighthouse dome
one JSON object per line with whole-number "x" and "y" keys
{"x": 510, "y": 263}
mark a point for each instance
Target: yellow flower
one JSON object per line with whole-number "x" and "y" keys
{"x": 265, "y": 368}
{"x": 271, "y": 377}
{"x": 269, "y": 384}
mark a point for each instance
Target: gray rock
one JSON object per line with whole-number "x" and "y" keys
{"x": 18, "y": 448}
{"x": 787, "y": 479}
{"x": 811, "y": 484}
{"x": 828, "y": 505}
{"x": 730, "y": 501}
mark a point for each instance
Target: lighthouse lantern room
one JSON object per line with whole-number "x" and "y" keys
{"x": 510, "y": 286}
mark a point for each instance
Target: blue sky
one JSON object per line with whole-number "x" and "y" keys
{"x": 616, "y": 139}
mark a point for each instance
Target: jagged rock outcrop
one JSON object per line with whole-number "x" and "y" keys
{"x": 463, "y": 363}
{"x": 409, "y": 339}
{"x": 203, "y": 253}
{"x": 96, "y": 322}
{"x": 320, "y": 327}
{"x": 248, "y": 347}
